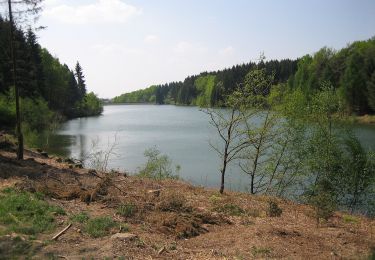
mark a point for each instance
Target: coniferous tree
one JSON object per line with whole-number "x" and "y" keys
{"x": 30, "y": 7}
{"x": 80, "y": 80}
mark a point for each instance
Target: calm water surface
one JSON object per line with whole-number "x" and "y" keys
{"x": 183, "y": 133}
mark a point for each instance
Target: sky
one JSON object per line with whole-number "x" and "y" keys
{"x": 125, "y": 45}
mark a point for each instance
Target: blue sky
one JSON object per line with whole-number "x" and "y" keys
{"x": 124, "y": 45}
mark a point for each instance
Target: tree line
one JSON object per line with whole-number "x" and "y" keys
{"x": 207, "y": 88}
{"x": 47, "y": 87}
{"x": 350, "y": 71}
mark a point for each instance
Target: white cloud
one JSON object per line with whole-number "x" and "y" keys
{"x": 151, "y": 39}
{"x": 227, "y": 51}
{"x": 102, "y": 11}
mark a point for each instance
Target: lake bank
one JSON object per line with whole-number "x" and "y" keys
{"x": 171, "y": 219}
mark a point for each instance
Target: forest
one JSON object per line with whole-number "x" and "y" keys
{"x": 350, "y": 70}
{"x": 50, "y": 91}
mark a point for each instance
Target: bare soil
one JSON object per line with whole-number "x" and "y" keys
{"x": 175, "y": 220}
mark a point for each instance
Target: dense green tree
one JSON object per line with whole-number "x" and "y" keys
{"x": 80, "y": 80}
{"x": 371, "y": 91}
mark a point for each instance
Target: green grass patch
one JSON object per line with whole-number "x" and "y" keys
{"x": 260, "y": 251}
{"x": 126, "y": 209}
{"x": 82, "y": 217}
{"x": 26, "y": 213}
{"x": 99, "y": 227}
{"x": 349, "y": 219}
{"x": 230, "y": 209}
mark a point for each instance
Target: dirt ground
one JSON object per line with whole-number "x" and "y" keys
{"x": 174, "y": 220}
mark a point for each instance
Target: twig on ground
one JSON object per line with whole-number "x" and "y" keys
{"x": 62, "y": 232}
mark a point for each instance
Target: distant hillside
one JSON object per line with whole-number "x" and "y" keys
{"x": 207, "y": 88}
{"x": 352, "y": 70}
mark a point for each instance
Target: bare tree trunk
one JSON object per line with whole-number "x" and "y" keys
{"x": 223, "y": 174}
{"x": 16, "y": 90}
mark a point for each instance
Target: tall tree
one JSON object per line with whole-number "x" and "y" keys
{"x": 24, "y": 8}
{"x": 80, "y": 80}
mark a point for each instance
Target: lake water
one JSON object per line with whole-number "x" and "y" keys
{"x": 183, "y": 133}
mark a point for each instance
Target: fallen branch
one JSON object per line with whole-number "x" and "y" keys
{"x": 62, "y": 232}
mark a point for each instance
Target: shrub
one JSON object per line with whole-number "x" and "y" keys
{"x": 126, "y": 209}
{"x": 158, "y": 166}
{"x": 98, "y": 227}
{"x": 230, "y": 209}
{"x": 273, "y": 209}
{"x": 324, "y": 205}
{"x": 23, "y": 212}
{"x": 173, "y": 202}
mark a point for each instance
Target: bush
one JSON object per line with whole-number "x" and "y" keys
{"x": 26, "y": 213}
{"x": 230, "y": 209}
{"x": 158, "y": 166}
{"x": 324, "y": 205}
{"x": 273, "y": 209}
{"x": 173, "y": 202}
{"x": 98, "y": 227}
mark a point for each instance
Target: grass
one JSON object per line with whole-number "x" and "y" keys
{"x": 99, "y": 227}
{"x": 82, "y": 217}
{"x": 26, "y": 213}
{"x": 126, "y": 210}
{"x": 260, "y": 251}
{"x": 349, "y": 219}
{"x": 17, "y": 248}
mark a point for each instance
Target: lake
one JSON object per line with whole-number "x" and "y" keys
{"x": 183, "y": 133}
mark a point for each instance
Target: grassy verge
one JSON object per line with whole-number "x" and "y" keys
{"x": 26, "y": 213}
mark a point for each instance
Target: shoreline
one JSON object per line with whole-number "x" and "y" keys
{"x": 172, "y": 219}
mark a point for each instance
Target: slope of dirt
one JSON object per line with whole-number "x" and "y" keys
{"x": 174, "y": 220}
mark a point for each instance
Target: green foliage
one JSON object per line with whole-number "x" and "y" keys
{"x": 324, "y": 203}
{"x": 126, "y": 209}
{"x": 158, "y": 166}
{"x": 350, "y": 219}
{"x": 206, "y": 88}
{"x": 7, "y": 110}
{"x": 140, "y": 96}
{"x": 99, "y": 227}
{"x": 45, "y": 85}
{"x": 91, "y": 105}
{"x": 349, "y": 70}
{"x": 25, "y": 213}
